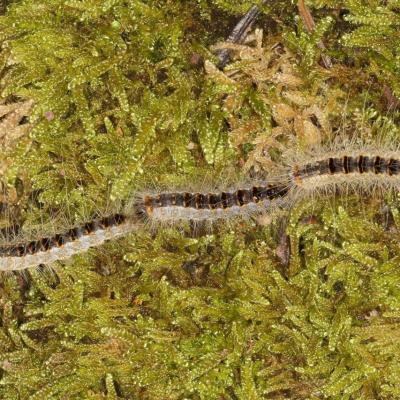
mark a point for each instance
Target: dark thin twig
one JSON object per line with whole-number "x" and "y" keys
{"x": 2, "y": 7}
{"x": 239, "y": 33}
{"x": 310, "y": 26}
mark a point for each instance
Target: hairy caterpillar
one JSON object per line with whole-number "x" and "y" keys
{"x": 305, "y": 175}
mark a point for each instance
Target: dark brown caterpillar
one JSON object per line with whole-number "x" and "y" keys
{"x": 209, "y": 202}
{"x": 20, "y": 255}
{"x": 61, "y": 239}
{"x": 348, "y": 165}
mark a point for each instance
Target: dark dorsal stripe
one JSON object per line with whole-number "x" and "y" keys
{"x": 348, "y": 164}
{"x": 60, "y": 239}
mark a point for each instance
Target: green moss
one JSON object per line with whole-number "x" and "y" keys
{"x": 120, "y": 102}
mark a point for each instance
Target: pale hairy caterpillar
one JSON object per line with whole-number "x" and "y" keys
{"x": 60, "y": 246}
{"x": 304, "y": 175}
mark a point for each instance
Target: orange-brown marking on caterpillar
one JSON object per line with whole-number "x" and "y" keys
{"x": 296, "y": 172}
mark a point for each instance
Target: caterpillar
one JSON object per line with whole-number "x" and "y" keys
{"x": 367, "y": 169}
{"x": 245, "y": 200}
{"x": 307, "y": 175}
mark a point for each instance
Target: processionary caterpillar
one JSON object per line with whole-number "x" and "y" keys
{"x": 366, "y": 168}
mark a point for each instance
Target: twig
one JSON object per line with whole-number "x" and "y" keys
{"x": 239, "y": 33}
{"x": 310, "y": 26}
{"x": 392, "y": 102}
{"x": 3, "y": 7}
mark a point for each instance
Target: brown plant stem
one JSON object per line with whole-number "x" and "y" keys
{"x": 239, "y": 33}
{"x": 310, "y": 26}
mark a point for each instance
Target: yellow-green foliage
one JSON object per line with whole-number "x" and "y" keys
{"x": 120, "y": 101}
